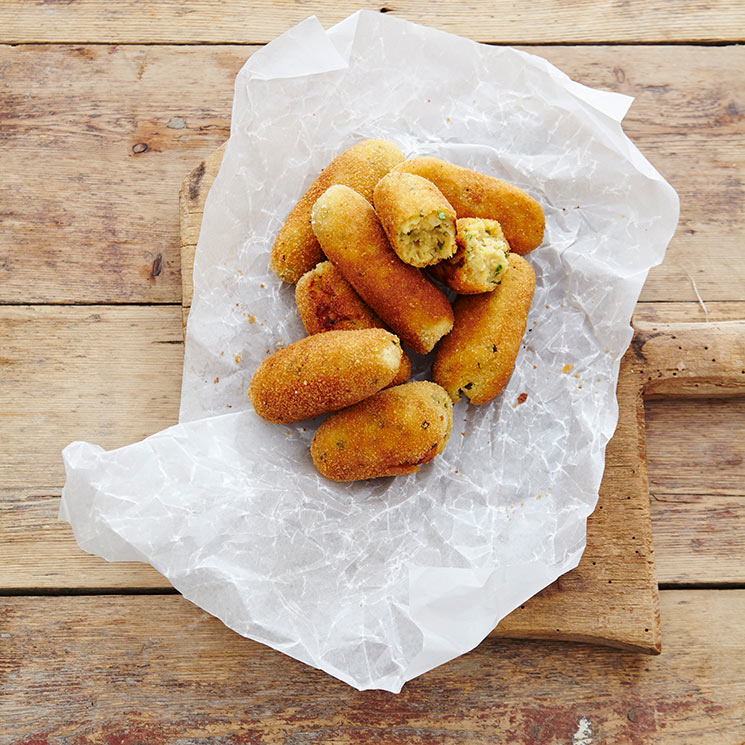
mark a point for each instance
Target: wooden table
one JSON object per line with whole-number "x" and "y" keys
{"x": 104, "y": 108}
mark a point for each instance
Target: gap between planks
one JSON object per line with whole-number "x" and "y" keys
{"x": 692, "y": 42}
{"x": 41, "y": 592}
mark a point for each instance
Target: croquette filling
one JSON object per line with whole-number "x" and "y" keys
{"x": 485, "y": 258}
{"x": 427, "y": 239}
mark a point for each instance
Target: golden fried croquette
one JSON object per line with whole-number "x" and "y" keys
{"x": 389, "y": 434}
{"x": 327, "y": 302}
{"x": 324, "y": 372}
{"x": 296, "y": 249}
{"x": 478, "y": 356}
{"x": 352, "y": 238}
{"x": 418, "y": 220}
{"x": 480, "y": 261}
{"x": 475, "y": 194}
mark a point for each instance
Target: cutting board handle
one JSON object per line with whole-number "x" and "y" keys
{"x": 690, "y": 360}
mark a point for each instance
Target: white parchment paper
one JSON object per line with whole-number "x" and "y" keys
{"x": 377, "y": 582}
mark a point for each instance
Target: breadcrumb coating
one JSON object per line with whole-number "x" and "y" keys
{"x": 322, "y": 373}
{"x": 296, "y": 249}
{"x": 352, "y": 238}
{"x": 327, "y": 302}
{"x": 478, "y": 356}
{"x": 391, "y": 433}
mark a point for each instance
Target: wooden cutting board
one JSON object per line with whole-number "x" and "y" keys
{"x": 611, "y": 597}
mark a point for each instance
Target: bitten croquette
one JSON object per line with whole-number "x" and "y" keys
{"x": 475, "y": 194}
{"x": 478, "y": 356}
{"x": 391, "y": 433}
{"x": 480, "y": 261}
{"x": 418, "y": 220}
{"x": 323, "y": 373}
{"x": 296, "y": 249}
{"x": 352, "y": 238}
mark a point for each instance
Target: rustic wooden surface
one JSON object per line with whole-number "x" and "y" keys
{"x": 199, "y": 21}
{"x": 688, "y": 118}
{"x": 103, "y": 110}
{"x": 156, "y": 670}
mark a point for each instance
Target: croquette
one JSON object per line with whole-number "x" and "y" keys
{"x": 480, "y": 261}
{"x": 352, "y": 238}
{"x": 475, "y": 194}
{"x": 323, "y": 373}
{"x": 296, "y": 249}
{"x": 327, "y": 302}
{"x": 416, "y": 217}
{"x": 389, "y": 434}
{"x": 478, "y": 356}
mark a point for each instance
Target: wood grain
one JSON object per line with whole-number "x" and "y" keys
{"x": 108, "y": 233}
{"x": 200, "y": 21}
{"x": 93, "y": 162}
{"x": 159, "y": 670}
{"x": 112, "y": 376}
{"x": 108, "y": 375}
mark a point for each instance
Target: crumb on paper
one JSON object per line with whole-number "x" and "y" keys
{"x": 216, "y": 380}
{"x": 251, "y": 319}
{"x": 567, "y": 368}
{"x": 238, "y": 358}
{"x": 522, "y": 398}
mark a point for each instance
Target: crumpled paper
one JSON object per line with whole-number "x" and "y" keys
{"x": 377, "y": 582}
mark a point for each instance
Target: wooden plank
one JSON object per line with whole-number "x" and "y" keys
{"x": 112, "y": 376}
{"x": 93, "y": 164}
{"x": 662, "y": 312}
{"x": 200, "y": 21}
{"x": 697, "y": 485}
{"x": 97, "y": 234}
{"x": 38, "y": 553}
{"x": 158, "y": 669}
{"x": 699, "y": 538}
{"x": 108, "y": 375}
{"x": 677, "y": 464}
